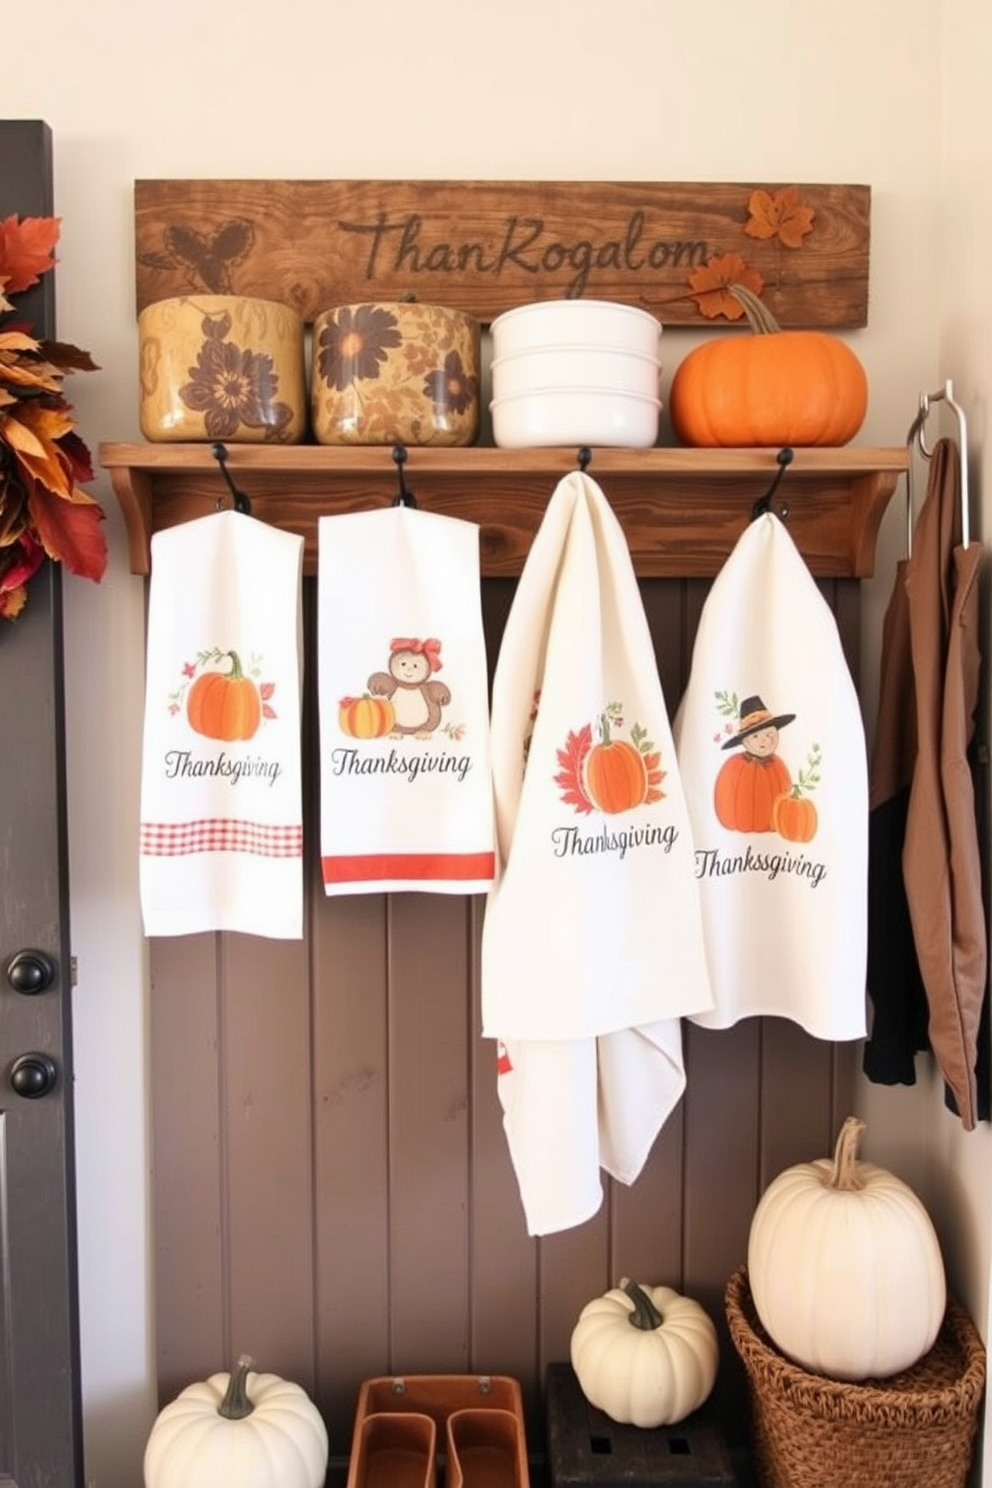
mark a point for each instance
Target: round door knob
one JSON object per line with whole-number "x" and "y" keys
{"x": 33, "y": 1075}
{"x": 29, "y": 972}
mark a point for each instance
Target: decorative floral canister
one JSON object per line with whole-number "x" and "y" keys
{"x": 222, "y": 367}
{"x": 395, "y": 373}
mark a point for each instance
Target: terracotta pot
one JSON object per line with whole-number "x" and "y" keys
{"x": 222, "y": 367}
{"x": 395, "y": 373}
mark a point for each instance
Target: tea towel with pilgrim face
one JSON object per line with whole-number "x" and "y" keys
{"x": 592, "y": 945}
{"x": 772, "y": 751}
{"x": 405, "y": 782}
{"x": 221, "y": 844}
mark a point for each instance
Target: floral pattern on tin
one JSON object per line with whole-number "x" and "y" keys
{"x": 233, "y": 387}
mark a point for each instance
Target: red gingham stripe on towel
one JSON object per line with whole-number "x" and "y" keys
{"x": 218, "y": 834}
{"x": 370, "y": 867}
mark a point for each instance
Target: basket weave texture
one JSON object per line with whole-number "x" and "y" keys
{"x": 913, "y": 1430}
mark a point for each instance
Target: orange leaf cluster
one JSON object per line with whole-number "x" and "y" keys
{"x": 781, "y": 216}
{"x": 710, "y": 285}
{"x": 43, "y": 509}
{"x": 655, "y": 775}
{"x": 569, "y": 778}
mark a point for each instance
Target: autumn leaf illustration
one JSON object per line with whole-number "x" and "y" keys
{"x": 781, "y": 216}
{"x": 569, "y": 778}
{"x": 710, "y": 285}
{"x": 27, "y": 250}
{"x": 655, "y": 775}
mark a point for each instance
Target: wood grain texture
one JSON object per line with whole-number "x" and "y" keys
{"x": 487, "y": 246}
{"x": 331, "y": 1174}
{"x": 682, "y": 511}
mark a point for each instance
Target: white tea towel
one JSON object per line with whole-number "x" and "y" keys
{"x": 221, "y": 799}
{"x": 772, "y": 753}
{"x": 405, "y": 782}
{"x": 592, "y": 945}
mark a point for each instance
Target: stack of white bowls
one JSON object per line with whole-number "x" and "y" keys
{"x": 583, "y": 372}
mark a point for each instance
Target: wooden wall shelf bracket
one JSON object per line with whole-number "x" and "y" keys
{"x": 682, "y": 510}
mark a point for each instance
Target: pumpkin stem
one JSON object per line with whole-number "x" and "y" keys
{"x": 236, "y": 1405}
{"x": 844, "y": 1172}
{"x": 236, "y": 672}
{"x": 645, "y": 1315}
{"x": 604, "y": 728}
{"x": 759, "y": 317}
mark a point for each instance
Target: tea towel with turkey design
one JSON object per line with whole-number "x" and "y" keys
{"x": 592, "y": 946}
{"x": 405, "y": 785}
{"x": 772, "y": 752}
{"x": 221, "y": 829}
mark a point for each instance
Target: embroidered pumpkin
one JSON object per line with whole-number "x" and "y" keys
{"x": 238, "y": 1428}
{"x": 366, "y": 717}
{"x": 616, "y": 779}
{"x": 794, "y": 817}
{"x": 774, "y": 387}
{"x": 645, "y": 1355}
{"x": 224, "y": 705}
{"x": 845, "y": 1267}
{"x": 746, "y": 791}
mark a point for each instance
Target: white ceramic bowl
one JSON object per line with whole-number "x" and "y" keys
{"x": 576, "y": 368}
{"x": 548, "y": 323}
{"x": 593, "y": 416}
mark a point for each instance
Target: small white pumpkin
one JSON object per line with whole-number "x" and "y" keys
{"x": 645, "y": 1355}
{"x": 845, "y": 1267}
{"x": 243, "y": 1429}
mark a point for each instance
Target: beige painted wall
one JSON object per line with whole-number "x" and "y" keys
{"x": 887, "y": 92}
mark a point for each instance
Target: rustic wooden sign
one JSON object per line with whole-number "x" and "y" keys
{"x": 487, "y": 246}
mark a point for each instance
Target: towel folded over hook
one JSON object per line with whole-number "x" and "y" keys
{"x": 592, "y": 943}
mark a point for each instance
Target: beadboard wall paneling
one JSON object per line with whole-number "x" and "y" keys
{"x": 333, "y": 1190}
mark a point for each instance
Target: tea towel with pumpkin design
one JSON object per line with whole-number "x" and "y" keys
{"x": 405, "y": 786}
{"x": 592, "y": 946}
{"x": 772, "y": 752}
{"x": 221, "y": 831}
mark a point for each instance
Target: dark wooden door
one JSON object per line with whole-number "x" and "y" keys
{"x": 39, "y": 1374}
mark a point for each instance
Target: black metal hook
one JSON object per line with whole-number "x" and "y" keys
{"x": 239, "y": 500}
{"x": 404, "y": 496}
{"x": 763, "y": 504}
{"x": 584, "y": 457}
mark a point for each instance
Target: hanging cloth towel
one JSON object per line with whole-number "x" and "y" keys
{"x": 772, "y": 752}
{"x": 941, "y": 856}
{"x": 221, "y": 842}
{"x": 592, "y": 944}
{"x": 405, "y": 779}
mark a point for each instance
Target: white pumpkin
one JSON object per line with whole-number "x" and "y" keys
{"x": 645, "y": 1355}
{"x": 845, "y": 1267}
{"x": 242, "y": 1429}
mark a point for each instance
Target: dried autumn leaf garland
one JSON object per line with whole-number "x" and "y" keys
{"x": 44, "y": 512}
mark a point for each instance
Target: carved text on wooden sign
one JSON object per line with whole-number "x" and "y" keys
{"x": 487, "y": 246}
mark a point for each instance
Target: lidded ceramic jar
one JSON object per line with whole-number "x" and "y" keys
{"x": 222, "y": 367}
{"x": 395, "y": 373}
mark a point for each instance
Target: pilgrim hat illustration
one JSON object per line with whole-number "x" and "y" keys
{"x": 754, "y": 716}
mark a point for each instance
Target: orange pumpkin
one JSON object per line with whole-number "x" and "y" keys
{"x": 224, "y": 705}
{"x": 746, "y": 791}
{"x": 772, "y": 388}
{"x": 616, "y": 779}
{"x": 366, "y": 717}
{"x": 794, "y": 817}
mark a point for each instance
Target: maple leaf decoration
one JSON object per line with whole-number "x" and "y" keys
{"x": 710, "y": 285}
{"x": 781, "y": 216}
{"x": 44, "y": 511}
{"x": 569, "y": 777}
{"x": 655, "y": 775}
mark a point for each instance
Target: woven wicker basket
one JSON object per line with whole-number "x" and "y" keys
{"x": 914, "y": 1430}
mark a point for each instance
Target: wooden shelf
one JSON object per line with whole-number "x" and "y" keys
{"x": 682, "y": 510}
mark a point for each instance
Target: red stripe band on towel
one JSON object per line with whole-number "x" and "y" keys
{"x": 217, "y": 834}
{"x": 370, "y": 867}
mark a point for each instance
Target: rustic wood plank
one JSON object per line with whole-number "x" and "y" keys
{"x": 190, "y": 1267}
{"x": 486, "y": 246}
{"x": 267, "y": 1098}
{"x": 682, "y": 511}
{"x": 428, "y": 1133}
